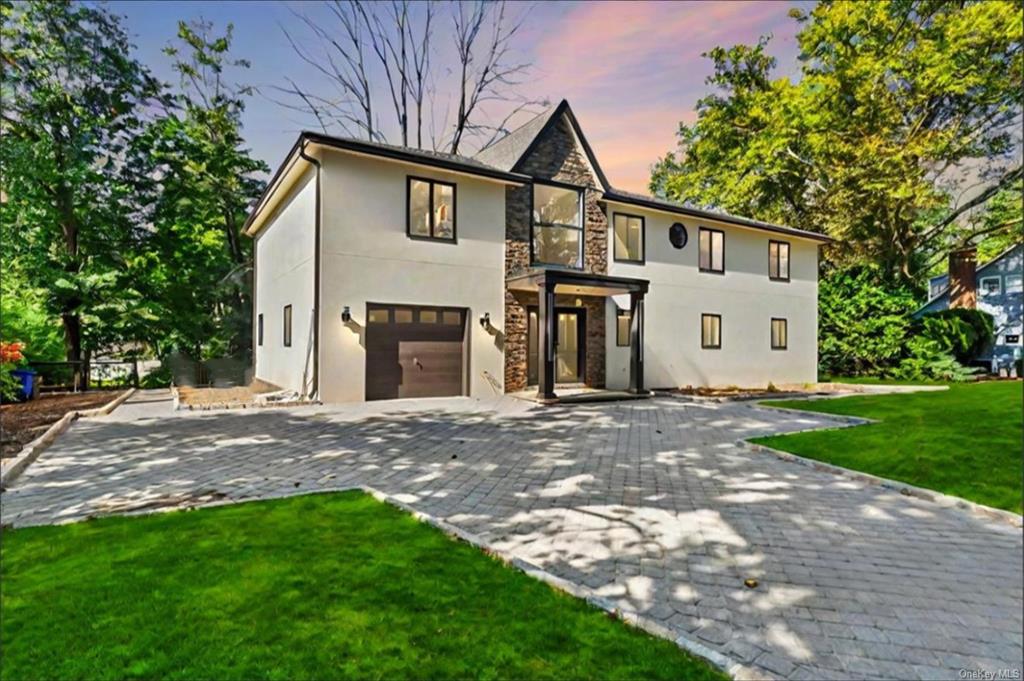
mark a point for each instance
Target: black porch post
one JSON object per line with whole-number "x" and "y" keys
{"x": 636, "y": 342}
{"x": 546, "y": 339}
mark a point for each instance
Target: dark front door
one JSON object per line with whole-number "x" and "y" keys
{"x": 570, "y": 345}
{"x": 414, "y": 351}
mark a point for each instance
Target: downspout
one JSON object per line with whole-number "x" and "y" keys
{"x": 315, "y": 390}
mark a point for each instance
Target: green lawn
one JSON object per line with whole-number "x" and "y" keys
{"x": 321, "y": 586}
{"x": 965, "y": 441}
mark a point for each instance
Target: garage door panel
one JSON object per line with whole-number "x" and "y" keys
{"x": 430, "y": 368}
{"x": 415, "y": 359}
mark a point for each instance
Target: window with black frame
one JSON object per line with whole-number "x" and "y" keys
{"x": 557, "y": 226}
{"x": 778, "y": 260}
{"x": 711, "y": 251}
{"x": 287, "y": 326}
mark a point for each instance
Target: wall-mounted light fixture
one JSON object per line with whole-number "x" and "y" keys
{"x": 346, "y": 314}
{"x": 485, "y": 320}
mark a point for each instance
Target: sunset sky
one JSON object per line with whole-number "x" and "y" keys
{"x": 631, "y": 70}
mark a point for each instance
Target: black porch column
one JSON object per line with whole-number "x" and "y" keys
{"x": 636, "y": 342}
{"x": 546, "y": 340}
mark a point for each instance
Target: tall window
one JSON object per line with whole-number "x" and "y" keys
{"x": 259, "y": 329}
{"x": 557, "y": 226}
{"x": 623, "y": 320}
{"x": 431, "y": 213}
{"x": 778, "y": 260}
{"x": 629, "y": 238}
{"x": 711, "y": 331}
{"x": 712, "y": 250}
{"x": 287, "y": 326}
{"x": 780, "y": 334}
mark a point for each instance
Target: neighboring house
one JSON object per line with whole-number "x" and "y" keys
{"x": 386, "y": 272}
{"x": 994, "y": 287}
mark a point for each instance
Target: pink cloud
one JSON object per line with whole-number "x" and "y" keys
{"x": 633, "y": 70}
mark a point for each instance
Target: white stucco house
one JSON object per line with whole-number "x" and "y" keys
{"x": 386, "y": 272}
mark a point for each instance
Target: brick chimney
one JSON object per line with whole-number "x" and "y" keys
{"x": 963, "y": 288}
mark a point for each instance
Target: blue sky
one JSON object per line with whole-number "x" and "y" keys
{"x": 631, "y": 70}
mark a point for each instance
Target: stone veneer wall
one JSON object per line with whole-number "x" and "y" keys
{"x": 556, "y": 156}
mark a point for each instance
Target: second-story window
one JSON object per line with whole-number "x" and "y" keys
{"x": 778, "y": 260}
{"x": 557, "y": 226}
{"x": 629, "y": 238}
{"x": 712, "y": 250}
{"x": 431, "y": 209}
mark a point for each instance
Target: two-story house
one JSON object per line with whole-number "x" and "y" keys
{"x": 386, "y": 272}
{"x": 994, "y": 287}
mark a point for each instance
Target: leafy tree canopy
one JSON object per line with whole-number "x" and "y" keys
{"x": 869, "y": 145}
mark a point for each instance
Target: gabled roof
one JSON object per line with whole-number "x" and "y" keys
{"x": 510, "y": 151}
{"x": 622, "y": 196}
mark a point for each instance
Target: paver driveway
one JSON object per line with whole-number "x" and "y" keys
{"x": 652, "y": 504}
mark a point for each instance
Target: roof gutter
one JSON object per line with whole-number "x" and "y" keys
{"x": 315, "y": 388}
{"x": 614, "y": 197}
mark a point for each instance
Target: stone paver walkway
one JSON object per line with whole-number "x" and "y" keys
{"x": 651, "y": 503}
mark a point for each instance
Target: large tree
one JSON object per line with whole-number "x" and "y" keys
{"x": 197, "y": 263}
{"x": 900, "y": 105}
{"x": 72, "y": 97}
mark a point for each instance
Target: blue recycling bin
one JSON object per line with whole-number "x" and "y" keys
{"x": 29, "y": 386}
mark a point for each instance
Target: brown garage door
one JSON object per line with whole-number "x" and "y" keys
{"x": 414, "y": 351}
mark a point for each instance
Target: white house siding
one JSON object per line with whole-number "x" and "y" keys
{"x": 368, "y": 258}
{"x": 284, "y": 276}
{"x": 744, "y": 296}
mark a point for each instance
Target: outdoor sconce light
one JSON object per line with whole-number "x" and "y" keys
{"x": 346, "y": 314}
{"x": 485, "y": 320}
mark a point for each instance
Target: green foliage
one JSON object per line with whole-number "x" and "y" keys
{"x": 961, "y": 332}
{"x": 964, "y": 441}
{"x": 863, "y": 321}
{"x": 198, "y": 264}
{"x": 72, "y": 99}
{"x": 891, "y": 96}
{"x": 23, "y": 318}
{"x": 337, "y": 586}
{"x": 926, "y": 359}
{"x": 10, "y": 387}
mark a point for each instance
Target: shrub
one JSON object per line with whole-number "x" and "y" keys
{"x": 960, "y": 332}
{"x": 863, "y": 321}
{"x": 926, "y": 359}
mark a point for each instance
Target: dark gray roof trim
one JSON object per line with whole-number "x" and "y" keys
{"x": 434, "y": 159}
{"x": 621, "y": 196}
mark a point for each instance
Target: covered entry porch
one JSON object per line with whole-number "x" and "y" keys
{"x": 546, "y": 286}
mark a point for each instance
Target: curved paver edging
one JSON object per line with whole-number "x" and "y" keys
{"x": 731, "y": 667}
{"x": 734, "y": 669}
{"x": 938, "y": 498}
{"x": 10, "y": 471}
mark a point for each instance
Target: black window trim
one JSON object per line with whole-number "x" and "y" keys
{"x": 287, "y": 325}
{"x": 778, "y": 259}
{"x": 643, "y": 239}
{"x": 711, "y": 270}
{"x": 619, "y": 312}
{"x": 259, "y": 329}
{"x": 582, "y": 191}
{"x": 771, "y": 337}
{"x": 409, "y": 179}
{"x": 710, "y": 347}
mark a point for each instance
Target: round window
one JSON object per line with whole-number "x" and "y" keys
{"x": 677, "y": 235}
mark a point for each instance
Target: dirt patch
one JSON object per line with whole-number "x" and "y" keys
{"x": 737, "y": 393}
{"x": 22, "y": 422}
{"x": 224, "y": 397}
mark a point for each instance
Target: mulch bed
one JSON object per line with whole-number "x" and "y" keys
{"x": 22, "y": 422}
{"x": 741, "y": 393}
